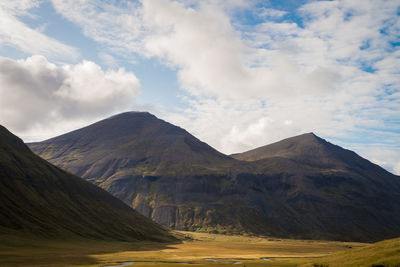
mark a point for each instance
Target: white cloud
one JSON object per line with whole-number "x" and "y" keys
{"x": 312, "y": 76}
{"x": 14, "y": 33}
{"x": 108, "y": 60}
{"x": 116, "y": 24}
{"x": 39, "y": 99}
{"x": 18, "y": 7}
{"x": 271, "y": 13}
{"x": 336, "y": 75}
{"x": 202, "y": 44}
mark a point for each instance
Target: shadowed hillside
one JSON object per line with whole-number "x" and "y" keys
{"x": 301, "y": 187}
{"x": 38, "y": 199}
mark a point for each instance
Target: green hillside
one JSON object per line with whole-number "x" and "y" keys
{"x": 40, "y": 200}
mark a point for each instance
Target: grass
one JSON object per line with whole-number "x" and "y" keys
{"x": 385, "y": 253}
{"x": 195, "y": 249}
{"x": 17, "y": 251}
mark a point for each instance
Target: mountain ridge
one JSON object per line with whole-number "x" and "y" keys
{"x": 159, "y": 139}
{"x": 305, "y": 187}
{"x": 312, "y": 150}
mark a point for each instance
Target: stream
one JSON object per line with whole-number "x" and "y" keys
{"x": 122, "y": 264}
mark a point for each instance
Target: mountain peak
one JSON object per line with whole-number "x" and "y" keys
{"x": 306, "y": 137}
{"x": 306, "y": 148}
{"x": 311, "y": 150}
{"x": 132, "y": 114}
{"x": 310, "y": 134}
{"x": 128, "y": 140}
{"x": 283, "y": 148}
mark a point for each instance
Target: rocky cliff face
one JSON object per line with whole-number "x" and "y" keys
{"x": 301, "y": 187}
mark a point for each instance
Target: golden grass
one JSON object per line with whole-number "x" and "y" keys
{"x": 196, "y": 248}
{"x": 385, "y": 253}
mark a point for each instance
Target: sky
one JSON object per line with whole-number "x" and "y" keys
{"x": 237, "y": 74}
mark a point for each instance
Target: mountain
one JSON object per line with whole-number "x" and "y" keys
{"x": 39, "y": 199}
{"x": 328, "y": 189}
{"x": 132, "y": 143}
{"x": 301, "y": 187}
{"x": 307, "y": 149}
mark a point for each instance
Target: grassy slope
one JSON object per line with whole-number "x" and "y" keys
{"x": 40, "y": 200}
{"x": 385, "y": 253}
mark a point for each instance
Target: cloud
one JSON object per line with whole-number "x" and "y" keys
{"x": 108, "y": 60}
{"x": 317, "y": 77}
{"x": 18, "y": 8}
{"x": 14, "y": 33}
{"x": 38, "y": 97}
{"x": 333, "y": 71}
{"x": 271, "y": 13}
{"x": 116, "y": 24}
{"x": 209, "y": 58}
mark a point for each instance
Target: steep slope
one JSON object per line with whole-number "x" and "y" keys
{"x": 39, "y": 199}
{"x": 136, "y": 142}
{"x": 303, "y": 187}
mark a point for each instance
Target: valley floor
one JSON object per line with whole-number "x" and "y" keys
{"x": 197, "y": 249}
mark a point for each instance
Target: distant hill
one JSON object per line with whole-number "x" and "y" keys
{"x": 310, "y": 150}
{"x": 39, "y": 199}
{"x": 301, "y": 187}
{"x": 310, "y": 153}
